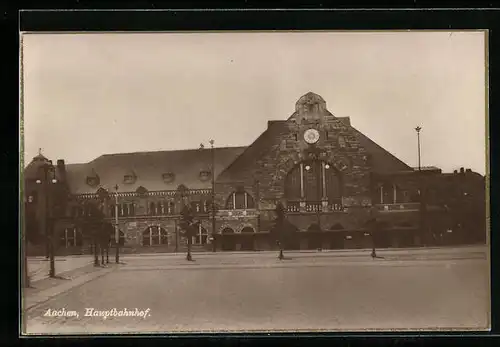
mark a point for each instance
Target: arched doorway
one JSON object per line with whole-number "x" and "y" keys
{"x": 228, "y": 239}
{"x": 154, "y": 235}
{"x": 314, "y": 237}
{"x": 337, "y": 236}
{"x": 247, "y": 239}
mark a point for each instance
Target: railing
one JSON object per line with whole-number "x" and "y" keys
{"x": 315, "y": 206}
{"x": 237, "y": 213}
{"x": 401, "y": 207}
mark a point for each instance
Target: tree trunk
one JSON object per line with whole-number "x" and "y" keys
{"x": 96, "y": 254}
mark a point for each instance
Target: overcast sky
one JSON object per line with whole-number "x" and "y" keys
{"x": 91, "y": 94}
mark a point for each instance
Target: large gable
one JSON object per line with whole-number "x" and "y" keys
{"x": 309, "y": 106}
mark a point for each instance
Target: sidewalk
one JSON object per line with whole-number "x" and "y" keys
{"x": 38, "y": 268}
{"x": 47, "y": 288}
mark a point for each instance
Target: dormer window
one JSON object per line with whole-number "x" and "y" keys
{"x": 205, "y": 175}
{"x": 129, "y": 178}
{"x": 93, "y": 181}
{"x": 168, "y": 177}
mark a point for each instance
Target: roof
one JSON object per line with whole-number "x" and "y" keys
{"x": 149, "y": 168}
{"x": 382, "y": 160}
{"x": 31, "y": 171}
{"x": 255, "y": 151}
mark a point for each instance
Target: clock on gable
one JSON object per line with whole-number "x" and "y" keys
{"x": 311, "y": 136}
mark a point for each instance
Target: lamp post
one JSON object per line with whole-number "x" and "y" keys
{"x": 117, "y": 231}
{"x": 48, "y": 175}
{"x": 417, "y": 129}
{"x": 420, "y": 186}
{"x": 212, "y": 149}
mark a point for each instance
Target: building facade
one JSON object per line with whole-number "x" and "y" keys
{"x": 333, "y": 181}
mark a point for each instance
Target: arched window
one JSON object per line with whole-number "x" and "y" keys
{"x": 313, "y": 180}
{"x": 154, "y": 235}
{"x": 240, "y": 200}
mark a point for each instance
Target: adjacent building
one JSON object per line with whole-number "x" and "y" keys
{"x": 333, "y": 181}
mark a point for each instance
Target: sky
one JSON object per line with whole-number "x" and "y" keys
{"x": 89, "y": 94}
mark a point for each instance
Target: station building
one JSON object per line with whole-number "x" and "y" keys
{"x": 332, "y": 180}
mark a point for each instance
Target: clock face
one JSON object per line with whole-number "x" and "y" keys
{"x": 311, "y": 136}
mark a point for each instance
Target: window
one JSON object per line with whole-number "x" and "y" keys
{"x": 152, "y": 209}
{"x": 129, "y": 178}
{"x": 327, "y": 135}
{"x": 296, "y": 137}
{"x": 342, "y": 143}
{"x": 239, "y": 201}
{"x": 131, "y": 209}
{"x": 313, "y": 180}
{"x": 201, "y": 236}
{"x": 154, "y": 235}
{"x": 71, "y": 238}
{"x": 196, "y": 206}
{"x": 171, "y": 207}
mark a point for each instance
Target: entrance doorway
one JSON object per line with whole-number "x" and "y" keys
{"x": 227, "y": 242}
{"x": 247, "y": 239}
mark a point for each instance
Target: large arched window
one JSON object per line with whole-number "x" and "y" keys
{"x": 313, "y": 180}
{"x": 239, "y": 200}
{"x": 154, "y": 235}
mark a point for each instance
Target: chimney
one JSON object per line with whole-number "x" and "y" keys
{"x": 455, "y": 171}
{"x": 461, "y": 170}
{"x": 468, "y": 170}
{"x": 61, "y": 169}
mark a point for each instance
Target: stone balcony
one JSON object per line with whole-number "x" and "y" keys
{"x": 398, "y": 207}
{"x": 323, "y": 206}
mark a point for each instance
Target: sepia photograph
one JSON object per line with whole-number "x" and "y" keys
{"x": 260, "y": 181}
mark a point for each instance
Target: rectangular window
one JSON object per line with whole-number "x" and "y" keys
{"x": 131, "y": 209}
{"x": 240, "y": 201}
{"x": 196, "y": 206}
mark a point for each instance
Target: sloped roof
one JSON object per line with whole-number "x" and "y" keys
{"x": 382, "y": 160}
{"x": 253, "y": 152}
{"x": 149, "y": 168}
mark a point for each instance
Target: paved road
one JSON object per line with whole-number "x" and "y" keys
{"x": 399, "y": 295}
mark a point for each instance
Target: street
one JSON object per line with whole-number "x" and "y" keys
{"x": 260, "y": 293}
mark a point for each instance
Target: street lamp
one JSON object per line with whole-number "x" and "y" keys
{"x": 420, "y": 185}
{"x": 48, "y": 176}
{"x": 417, "y": 129}
{"x": 212, "y": 149}
{"x": 117, "y": 231}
